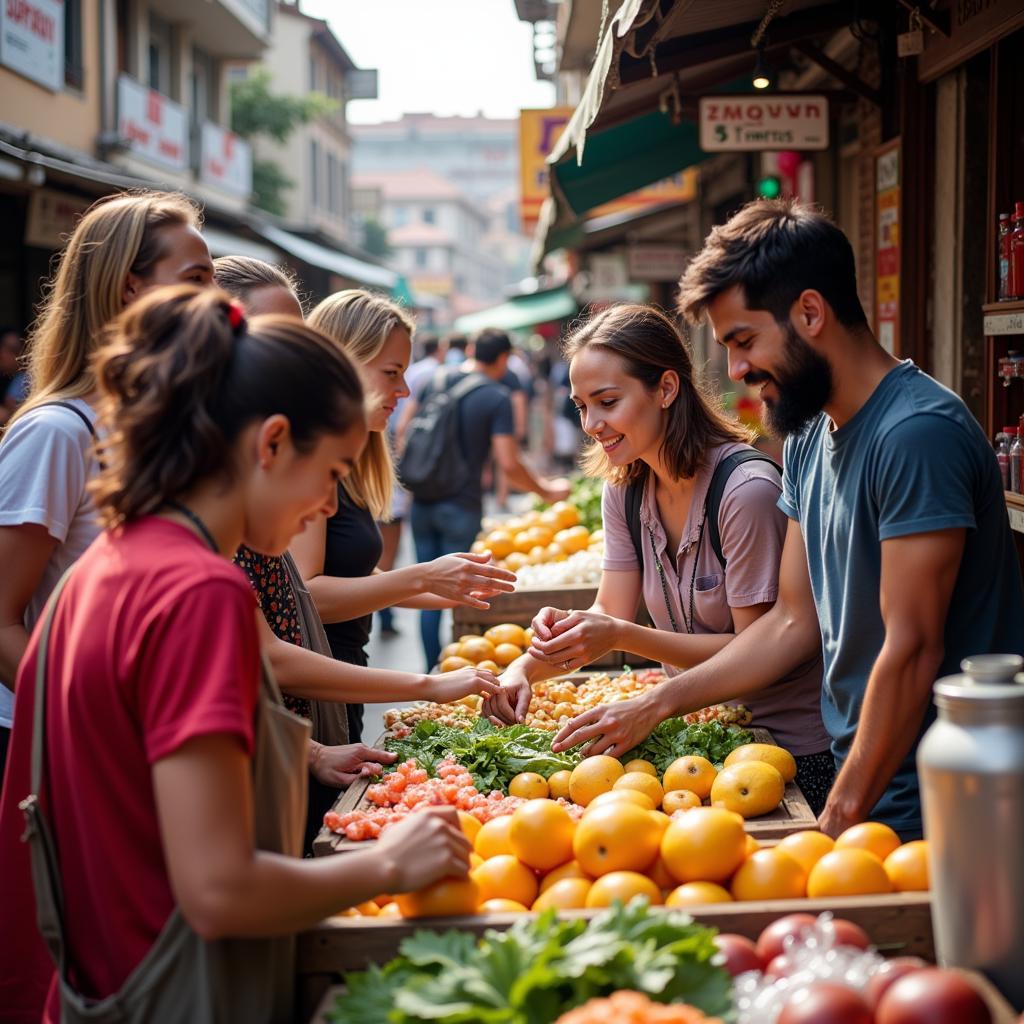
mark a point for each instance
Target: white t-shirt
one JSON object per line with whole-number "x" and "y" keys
{"x": 45, "y": 464}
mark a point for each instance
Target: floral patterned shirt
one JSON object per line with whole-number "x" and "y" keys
{"x": 269, "y": 579}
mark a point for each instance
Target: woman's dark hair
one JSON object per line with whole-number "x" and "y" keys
{"x": 648, "y": 343}
{"x": 774, "y": 250}
{"x": 182, "y": 374}
{"x": 240, "y": 275}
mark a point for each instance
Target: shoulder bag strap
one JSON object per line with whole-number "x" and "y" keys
{"x": 716, "y": 489}
{"x": 73, "y": 408}
{"x": 634, "y": 498}
{"x": 468, "y": 385}
{"x": 43, "y": 850}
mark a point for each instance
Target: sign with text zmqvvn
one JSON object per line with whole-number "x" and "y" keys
{"x": 730, "y": 124}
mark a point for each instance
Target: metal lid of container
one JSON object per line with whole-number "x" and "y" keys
{"x": 994, "y": 682}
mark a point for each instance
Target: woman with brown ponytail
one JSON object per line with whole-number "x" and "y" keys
{"x": 122, "y": 247}
{"x": 163, "y": 766}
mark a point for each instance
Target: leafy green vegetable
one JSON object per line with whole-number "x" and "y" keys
{"x": 539, "y": 968}
{"x": 674, "y": 738}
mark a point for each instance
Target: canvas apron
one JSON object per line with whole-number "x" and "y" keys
{"x": 184, "y": 979}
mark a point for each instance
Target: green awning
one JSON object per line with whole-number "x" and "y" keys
{"x": 521, "y": 312}
{"x": 625, "y": 158}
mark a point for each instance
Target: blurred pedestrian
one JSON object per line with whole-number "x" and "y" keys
{"x": 124, "y": 246}
{"x": 339, "y": 559}
{"x": 13, "y": 379}
{"x": 485, "y": 424}
{"x": 171, "y": 777}
{"x": 455, "y": 346}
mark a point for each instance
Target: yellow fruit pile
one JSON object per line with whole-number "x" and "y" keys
{"x": 495, "y": 650}
{"x": 538, "y": 538}
{"x": 540, "y": 857}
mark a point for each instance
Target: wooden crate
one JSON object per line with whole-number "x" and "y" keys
{"x": 794, "y": 814}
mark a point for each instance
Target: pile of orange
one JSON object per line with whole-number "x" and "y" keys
{"x": 538, "y": 538}
{"x": 539, "y": 857}
{"x": 495, "y": 650}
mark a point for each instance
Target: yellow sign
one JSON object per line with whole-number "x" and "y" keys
{"x": 539, "y": 130}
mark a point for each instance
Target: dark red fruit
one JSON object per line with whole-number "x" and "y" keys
{"x": 825, "y": 1002}
{"x": 770, "y": 942}
{"x": 739, "y": 952}
{"x": 779, "y": 967}
{"x": 850, "y": 934}
{"x": 890, "y": 972}
{"x": 932, "y": 996}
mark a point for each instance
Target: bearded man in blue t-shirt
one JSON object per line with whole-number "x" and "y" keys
{"x": 899, "y": 560}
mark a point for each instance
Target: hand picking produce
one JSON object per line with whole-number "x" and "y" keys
{"x": 539, "y": 968}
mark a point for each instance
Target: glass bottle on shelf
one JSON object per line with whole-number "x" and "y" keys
{"x": 1004, "y": 257}
{"x": 1003, "y": 456}
{"x": 1016, "y": 457}
{"x": 1017, "y": 253}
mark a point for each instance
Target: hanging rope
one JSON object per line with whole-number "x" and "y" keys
{"x": 774, "y": 6}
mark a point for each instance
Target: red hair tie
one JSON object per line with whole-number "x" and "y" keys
{"x": 236, "y": 315}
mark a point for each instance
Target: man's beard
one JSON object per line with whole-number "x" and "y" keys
{"x": 804, "y": 384}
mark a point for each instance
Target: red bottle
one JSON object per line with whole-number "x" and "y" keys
{"x": 1017, "y": 253}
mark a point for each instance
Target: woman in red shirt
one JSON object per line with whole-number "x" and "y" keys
{"x": 163, "y": 749}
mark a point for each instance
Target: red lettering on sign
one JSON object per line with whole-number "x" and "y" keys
{"x": 229, "y": 145}
{"x": 154, "y": 108}
{"x": 33, "y": 18}
{"x": 732, "y": 113}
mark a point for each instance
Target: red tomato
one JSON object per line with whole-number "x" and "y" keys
{"x": 889, "y": 972}
{"x": 850, "y": 934}
{"x": 770, "y": 942}
{"x": 932, "y": 996}
{"x": 825, "y": 1002}
{"x": 739, "y": 952}
{"x": 779, "y": 967}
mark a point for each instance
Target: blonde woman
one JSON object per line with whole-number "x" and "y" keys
{"x": 123, "y": 246}
{"x": 338, "y": 558}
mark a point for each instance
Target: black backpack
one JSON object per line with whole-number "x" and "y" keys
{"x": 433, "y": 466}
{"x": 712, "y": 503}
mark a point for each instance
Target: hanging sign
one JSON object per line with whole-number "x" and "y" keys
{"x": 226, "y": 160}
{"x": 887, "y": 245}
{"x": 32, "y": 40}
{"x": 731, "y": 124}
{"x": 156, "y": 127}
{"x": 52, "y": 216}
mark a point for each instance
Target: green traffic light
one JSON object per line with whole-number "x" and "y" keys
{"x": 769, "y": 187}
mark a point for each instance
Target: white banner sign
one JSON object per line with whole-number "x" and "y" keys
{"x": 648, "y": 262}
{"x": 226, "y": 160}
{"x": 758, "y": 123}
{"x": 32, "y": 40}
{"x": 156, "y": 127}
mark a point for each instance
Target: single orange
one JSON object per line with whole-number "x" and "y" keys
{"x": 565, "y": 894}
{"x": 679, "y": 800}
{"x": 780, "y": 759}
{"x": 593, "y": 776}
{"x": 695, "y": 894}
{"x": 639, "y": 765}
{"x": 706, "y": 844}
{"x": 613, "y": 796}
{"x": 541, "y": 834}
{"x": 618, "y": 837}
{"x": 369, "y": 909}
{"x": 643, "y": 783}
{"x": 769, "y": 875}
{"x": 492, "y": 838}
{"x": 477, "y": 649}
{"x": 692, "y": 772}
{"x": 529, "y": 786}
{"x": 847, "y": 872}
{"x": 808, "y": 847}
{"x": 445, "y": 898}
{"x": 500, "y": 906}
{"x": 558, "y": 785}
{"x": 750, "y": 788}
{"x": 507, "y": 633}
{"x": 622, "y": 885}
{"x": 470, "y": 826}
{"x": 872, "y": 836}
{"x": 505, "y": 654}
{"x": 571, "y": 869}
{"x": 454, "y": 663}
{"x": 505, "y": 877}
{"x": 907, "y": 867}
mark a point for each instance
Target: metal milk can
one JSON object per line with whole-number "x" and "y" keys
{"x": 971, "y": 767}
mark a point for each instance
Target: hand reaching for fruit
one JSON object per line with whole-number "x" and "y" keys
{"x": 449, "y": 686}
{"x": 467, "y": 578}
{"x": 442, "y": 849}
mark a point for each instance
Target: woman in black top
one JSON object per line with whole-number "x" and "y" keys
{"x": 338, "y": 559}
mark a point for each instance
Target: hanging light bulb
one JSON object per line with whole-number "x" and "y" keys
{"x": 762, "y": 78}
